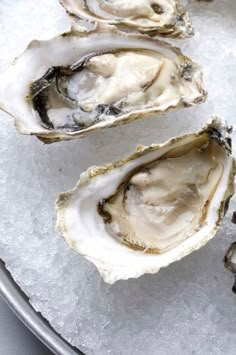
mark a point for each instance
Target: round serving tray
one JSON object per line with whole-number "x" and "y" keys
{"x": 19, "y": 303}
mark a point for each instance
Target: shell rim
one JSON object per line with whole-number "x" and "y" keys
{"x": 93, "y": 172}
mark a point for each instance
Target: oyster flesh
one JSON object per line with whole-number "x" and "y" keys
{"x": 80, "y": 81}
{"x": 152, "y": 208}
{"x": 153, "y": 17}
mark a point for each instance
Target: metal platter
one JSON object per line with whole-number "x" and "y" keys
{"x": 19, "y": 303}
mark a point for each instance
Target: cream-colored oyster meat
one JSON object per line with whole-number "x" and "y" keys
{"x": 153, "y": 17}
{"x": 83, "y": 81}
{"x": 152, "y": 208}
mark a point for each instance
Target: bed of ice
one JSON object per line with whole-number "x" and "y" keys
{"x": 187, "y": 308}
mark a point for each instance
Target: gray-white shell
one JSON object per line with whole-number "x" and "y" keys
{"x": 26, "y": 87}
{"x": 166, "y": 18}
{"x": 94, "y": 215}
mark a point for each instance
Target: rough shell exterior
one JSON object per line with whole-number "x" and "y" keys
{"x": 83, "y": 228}
{"x": 63, "y": 50}
{"x": 176, "y": 25}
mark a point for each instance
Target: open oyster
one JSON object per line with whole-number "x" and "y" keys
{"x": 153, "y": 17}
{"x": 152, "y": 208}
{"x": 79, "y": 82}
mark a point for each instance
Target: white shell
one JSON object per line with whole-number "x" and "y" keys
{"x": 170, "y": 19}
{"x": 69, "y": 48}
{"x": 84, "y": 229}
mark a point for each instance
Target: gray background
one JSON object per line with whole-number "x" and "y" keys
{"x": 15, "y": 338}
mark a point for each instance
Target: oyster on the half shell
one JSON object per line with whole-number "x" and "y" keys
{"x": 153, "y": 17}
{"x": 79, "y": 82}
{"x": 152, "y": 208}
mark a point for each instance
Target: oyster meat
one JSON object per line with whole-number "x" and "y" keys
{"x": 152, "y": 208}
{"x": 79, "y": 82}
{"x": 153, "y": 17}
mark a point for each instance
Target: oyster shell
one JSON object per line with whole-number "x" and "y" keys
{"x": 152, "y": 208}
{"x": 153, "y": 17}
{"x": 79, "y": 82}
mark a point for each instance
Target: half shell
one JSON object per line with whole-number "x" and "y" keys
{"x": 153, "y": 17}
{"x": 152, "y": 208}
{"x": 83, "y": 81}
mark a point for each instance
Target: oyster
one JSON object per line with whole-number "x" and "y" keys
{"x": 152, "y": 208}
{"x": 230, "y": 262}
{"x": 80, "y": 81}
{"x": 153, "y": 17}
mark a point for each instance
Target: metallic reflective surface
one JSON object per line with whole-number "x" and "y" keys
{"x": 20, "y": 305}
